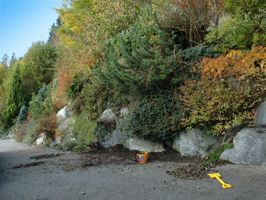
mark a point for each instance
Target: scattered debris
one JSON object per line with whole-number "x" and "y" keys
{"x": 45, "y": 156}
{"x": 28, "y": 165}
{"x": 196, "y": 171}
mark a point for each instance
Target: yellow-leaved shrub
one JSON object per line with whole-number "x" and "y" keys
{"x": 229, "y": 92}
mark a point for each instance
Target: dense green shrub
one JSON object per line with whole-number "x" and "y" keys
{"x": 75, "y": 88}
{"x": 30, "y": 136}
{"x": 42, "y": 93}
{"x": 103, "y": 131}
{"x": 83, "y": 129}
{"x": 42, "y": 104}
{"x": 36, "y": 107}
{"x": 71, "y": 144}
{"x": 156, "y": 117}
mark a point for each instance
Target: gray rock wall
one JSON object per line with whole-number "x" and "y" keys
{"x": 249, "y": 147}
{"x": 194, "y": 142}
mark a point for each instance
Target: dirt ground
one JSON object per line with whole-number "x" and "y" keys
{"x": 114, "y": 173}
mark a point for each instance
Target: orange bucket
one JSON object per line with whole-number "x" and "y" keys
{"x": 142, "y": 157}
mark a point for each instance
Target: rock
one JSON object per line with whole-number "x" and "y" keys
{"x": 63, "y": 114}
{"x": 113, "y": 140}
{"x": 135, "y": 143}
{"x": 41, "y": 139}
{"x": 64, "y": 129}
{"x": 108, "y": 115}
{"x": 249, "y": 147}
{"x": 260, "y": 119}
{"x": 230, "y": 133}
{"x": 124, "y": 112}
{"x": 193, "y": 142}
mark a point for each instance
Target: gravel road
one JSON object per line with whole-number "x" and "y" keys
{"x": 37, "y": 173}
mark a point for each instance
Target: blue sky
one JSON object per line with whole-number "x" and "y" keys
{"x": 23, "y": 22}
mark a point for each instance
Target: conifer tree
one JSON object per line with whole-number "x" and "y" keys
{"x": 22, "y": 114}
{"x": 42, "y": 93}
{"x": 15, "y": 99}
{"x": 136, "y": 61}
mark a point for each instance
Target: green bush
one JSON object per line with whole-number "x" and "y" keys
{"x": 157, "y": 117}
{"x": 36, "y": 107}
{"x": 42, "y": 104}
{"x": 71, "y": 144}
{"x": 83, "y": 129}
{"x": 217, "y": 152}
{"x": 30, "y": 136}
{"x": 103, "y": 132}
{"x": 42, "y": 93}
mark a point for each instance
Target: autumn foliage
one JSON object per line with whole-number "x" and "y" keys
{"x": 230, "y": 90}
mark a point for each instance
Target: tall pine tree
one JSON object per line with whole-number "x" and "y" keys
{"x": 15, "y": 99}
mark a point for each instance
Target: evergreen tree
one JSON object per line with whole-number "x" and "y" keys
{"x": 15, "y": 99}
{"x": 137, "y": 61}
{"x": 5, "y": 59}
{"x": 12, "y": 60}
{"x": 36, "y": 107}
{"x": 22, "y": 114}
{"x": 143, "y": 60}
{"x": 39, "y": 67}
{"x": 52, "y": 32}
{"x": 42, "y": 93}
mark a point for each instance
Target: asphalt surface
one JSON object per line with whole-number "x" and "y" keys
{"x": 46, "y": 180}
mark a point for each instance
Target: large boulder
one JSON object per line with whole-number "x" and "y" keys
{"x": 113, "y": 140}
{"x": 63, "y": 114}
{"x": 135, "y": 143}
{"x": 64, "y": 130}
{"x": 260, "y": 119}
{"x": 194, "y": 142}
{"x": 107, "y": 115}
{"x": 41, "y": 139}
{"x": 249, "y": 147}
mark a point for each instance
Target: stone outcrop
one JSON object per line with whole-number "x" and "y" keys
{"x": 113, "y": 140}
{"x": 135, "y": 143}
{"x": 249, "y": 147}
{"x": 249, "y": 143}
{"x": 260, "y": 119}
{"x": 107, "y": 115}
{"x": 193, "y": 142}
{"x": 41, "y": 139}
{"x": 63, "y": 114}
{"x": 65, "y": 118}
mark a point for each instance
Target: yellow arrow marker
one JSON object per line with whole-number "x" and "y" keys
{"x": 218, "y": 176}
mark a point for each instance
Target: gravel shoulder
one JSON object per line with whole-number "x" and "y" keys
{"x": 44, "y": 173}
